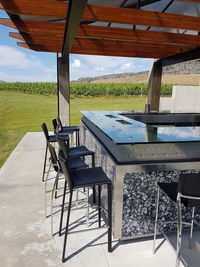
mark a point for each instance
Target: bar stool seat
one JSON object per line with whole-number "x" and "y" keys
{"x": 71, "y": 128}
{"x": 76, "y": 163}
{"x": 53, "y": 138}
{"x": 83, "y": 177}
{"x": 62, "y": 130}
{"x": 79, "y": 151}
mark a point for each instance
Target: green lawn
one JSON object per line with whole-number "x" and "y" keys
{"x": 21, "y": 113}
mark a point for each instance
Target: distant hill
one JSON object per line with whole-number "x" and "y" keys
{"x": 184, "y": 73}
{"x": 110, "y": 76}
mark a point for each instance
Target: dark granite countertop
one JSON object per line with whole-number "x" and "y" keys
{"x": 129, "y": 127}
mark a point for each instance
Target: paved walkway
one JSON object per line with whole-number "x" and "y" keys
{"x": 25, "y": 239}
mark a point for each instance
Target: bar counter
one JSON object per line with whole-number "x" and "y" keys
{"x": 136, "y": 150}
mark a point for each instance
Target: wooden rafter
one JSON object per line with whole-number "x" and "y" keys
{"x": 58, "y": 9}
{"x": 8, "y": 23}
{"x": 40, "y": 35}
{"x": 137, "y": 35}
{"x": 55, "y": 28}
{"x": 103, "y": 44}
{"x": 44, "y": 8}
{"x": 99, "y": 51}
{"x": 36, "y": 38}
{"x": 32, "y": 26}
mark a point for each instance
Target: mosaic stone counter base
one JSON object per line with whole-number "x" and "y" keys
{"x": 139, "y": 203}
{"x": 134, "y": 190}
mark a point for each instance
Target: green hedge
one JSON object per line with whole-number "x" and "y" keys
{"x": 85, "y": 89}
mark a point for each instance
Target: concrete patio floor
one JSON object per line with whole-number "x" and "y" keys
{"x": 25, "y": 236}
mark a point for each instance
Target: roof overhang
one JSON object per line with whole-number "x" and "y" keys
{"x": 127, "y": 28}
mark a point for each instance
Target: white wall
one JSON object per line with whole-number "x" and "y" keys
{"x": 184, "y": 99}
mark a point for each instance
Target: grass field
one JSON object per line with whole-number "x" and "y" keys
{"x": 21, "y": 113}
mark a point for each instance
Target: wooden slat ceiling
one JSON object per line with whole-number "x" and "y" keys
{"x": 40, "y": 26}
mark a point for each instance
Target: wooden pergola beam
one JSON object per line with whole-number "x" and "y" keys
{"x": 48, "y": 8}
{"x": 55, "y": 28}
{"x": 36, "y": 38}
{"x": 8, "y": 23}
{"x": 33, "y": 26}
{"x": 85, "y": 51}
{"x": 103, "y": 44}
{"x": 137, "y": 35}
{"x": 44, "y": 8}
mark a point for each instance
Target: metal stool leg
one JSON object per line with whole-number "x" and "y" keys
{"x": 56, "y": 191}
{"x": 191, "y": 229}
{"x": 109, "y": 218}
{"x": 87, "y": 209}
{"x": 44, "y": 167}
{"x": 77, "y": 197}
{"x": 45, "y": 191}
{"x": 156, "y": 219}
{"x": 62, "y": 210}
{"x": 94, "y": 190}
{"x": 77, "y": 139}
{"x": 52, "y": 197}
{"x": 179, "y": 231}
{"x": 99, "y": 205}
{"x": 67, "y": 225}
{"x": 94, "y": 194}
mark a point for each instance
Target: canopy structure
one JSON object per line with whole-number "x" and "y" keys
{"x": 160, "y": 29}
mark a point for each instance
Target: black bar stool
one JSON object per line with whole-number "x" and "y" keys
{"x": 186, "y": 192}
{"x": 72, "y": 163}
{"x": 71, "y": 153}
{"x": 67, "y": 129}
{"x": 54, "y": 163}
{"x": 50, "y": 139}
{"x": 86, "y": 178}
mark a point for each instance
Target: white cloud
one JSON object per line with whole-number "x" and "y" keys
{"x": 13, "y": 57}
{"x": 105, "y": 62}
{"x": 101, "y": 65}
{"x": 76, "y": 64}
{"x": 99, "y": 68}
{"x": 26, "y": 77}
{"x": 128, "y": 66}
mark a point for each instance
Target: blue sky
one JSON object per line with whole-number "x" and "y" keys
{"x": 23, "y": 65}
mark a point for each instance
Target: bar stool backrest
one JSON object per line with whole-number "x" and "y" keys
{"x": 60, "y": 127}
{"x": 65, "y": 169}
{"x": 45, "y": 130}
{"x": 55, "y": 125}
{"x": 189, "y": 184}
{"x": 63, "y": 146}
{"x": 53, "y": 157}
